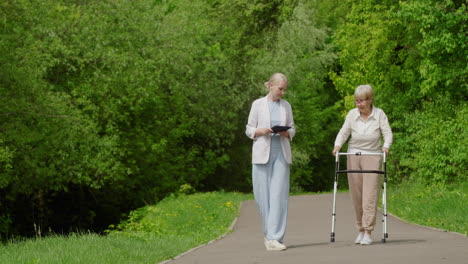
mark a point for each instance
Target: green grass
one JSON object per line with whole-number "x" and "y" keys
{"x": 439, "y": 206}
{"x": 152, "y": 234}
{"x": 90, "y": 248}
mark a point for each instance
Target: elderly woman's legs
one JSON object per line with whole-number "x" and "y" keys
{"x": 364, "y": 190}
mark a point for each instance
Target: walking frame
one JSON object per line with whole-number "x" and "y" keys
{"x": 384, "y": 187}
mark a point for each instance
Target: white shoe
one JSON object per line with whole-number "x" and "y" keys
{"x": 366, "y": 240}
{"x": 267, "y": 243}
{"x": 359, "y": 238}
{"x": 274, "y": 245}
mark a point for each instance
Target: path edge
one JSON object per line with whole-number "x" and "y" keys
{"x": 428, "y": 227}
{"x": 228, "y": 231}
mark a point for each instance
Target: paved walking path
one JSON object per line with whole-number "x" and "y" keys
{"x": 308, "y": 239}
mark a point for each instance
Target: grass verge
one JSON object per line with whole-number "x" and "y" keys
{"x": 151, "y": 234}
{"x": 440, "y": 206}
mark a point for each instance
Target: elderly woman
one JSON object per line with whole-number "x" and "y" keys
{"x": 366, "y": 124}
{"x": 271, "y": 157}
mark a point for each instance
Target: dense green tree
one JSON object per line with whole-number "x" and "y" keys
{"x": 414, "y": 54}
{"x": 124, "y": 100}
{"x": 301, "y": 51}
{"x": 107, "y": 105}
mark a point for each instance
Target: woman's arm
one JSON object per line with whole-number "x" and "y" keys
{"x": 252, "y": 122}
{"x": 386, "y": 132}
{"x": 252, "y": 130}
{"x": 290, "y": 133}
{"x": 343, "y": 135}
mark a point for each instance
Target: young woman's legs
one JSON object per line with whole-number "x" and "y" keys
{"x": 271, "y": 191}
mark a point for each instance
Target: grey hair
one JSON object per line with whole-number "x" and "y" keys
{"x": 274, "y": 78}
{"x": 366, "y": 91}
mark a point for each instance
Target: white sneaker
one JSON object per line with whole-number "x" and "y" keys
{"x": 274, "y": 245}
{"x": 359, "y": 238}
{"x": 366, "y": 240}
{"x": 267, "y": 243}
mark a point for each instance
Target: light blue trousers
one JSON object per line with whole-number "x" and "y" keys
{"x": 271, "y": 190}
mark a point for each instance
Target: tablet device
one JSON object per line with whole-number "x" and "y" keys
{"x": 277, "y": 129}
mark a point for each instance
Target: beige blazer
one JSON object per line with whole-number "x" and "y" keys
{"x": 259, "y": 117}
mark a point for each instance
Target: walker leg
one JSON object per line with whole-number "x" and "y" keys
{"x": 332, "y": 235}
{"x": 335, "y": 189}
{"x": 384, "y": 205}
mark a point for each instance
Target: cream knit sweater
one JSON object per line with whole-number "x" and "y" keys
{"x": 365, "y": 134}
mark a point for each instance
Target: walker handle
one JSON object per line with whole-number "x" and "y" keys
{"x": 361, "y": 154}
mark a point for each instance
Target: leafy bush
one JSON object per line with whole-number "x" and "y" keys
{"x": 435, "y": 152}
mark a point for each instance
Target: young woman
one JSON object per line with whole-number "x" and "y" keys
{"x": 271, "y": 157}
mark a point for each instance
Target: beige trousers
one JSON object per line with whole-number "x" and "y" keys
{"x": 364, "y": 190}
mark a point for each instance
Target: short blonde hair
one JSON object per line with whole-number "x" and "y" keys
{"x": 366, "y": 91}
{"x": 278, "y": 76}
